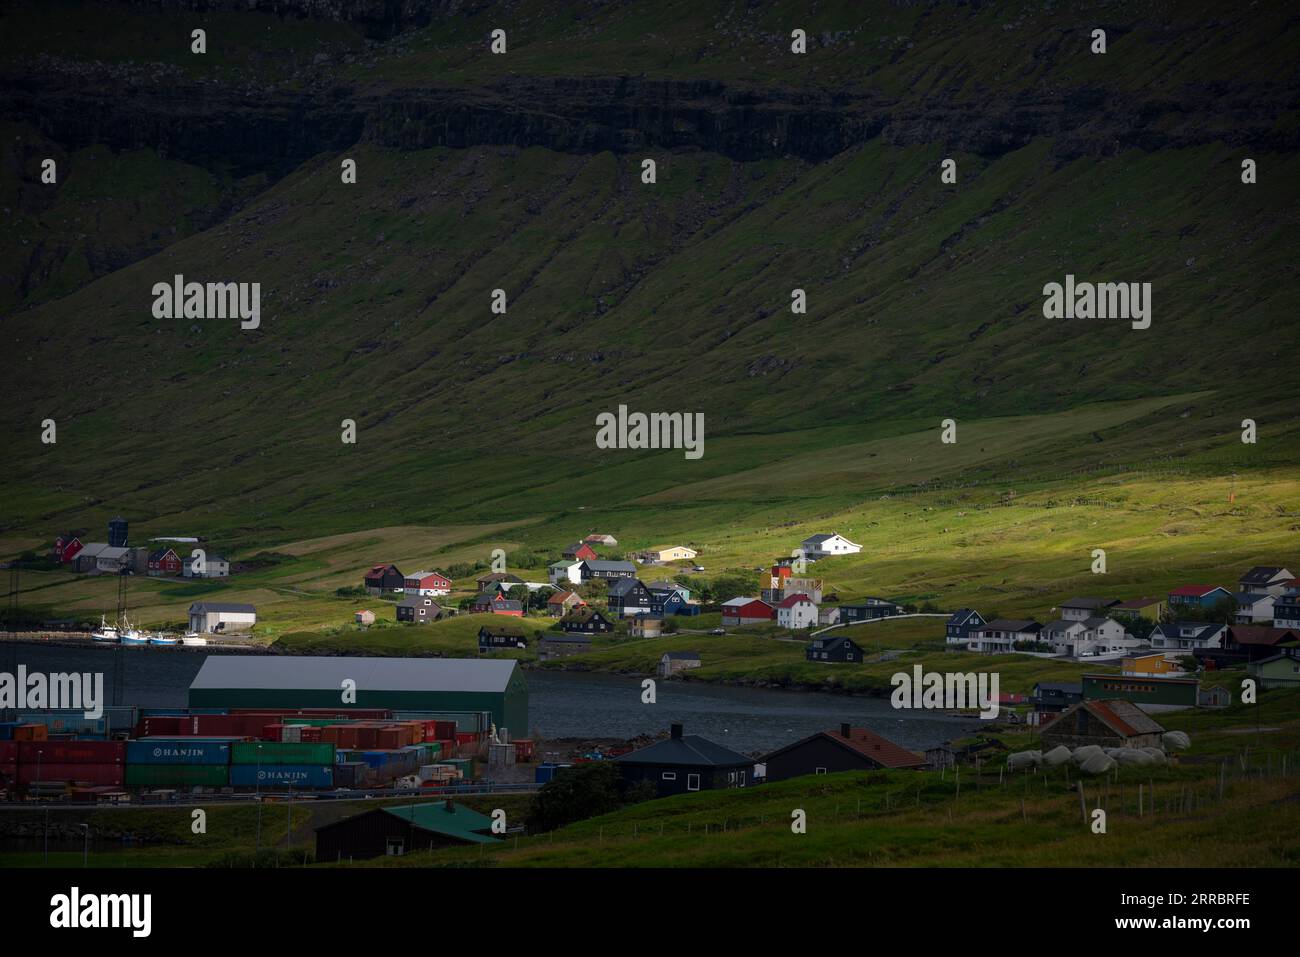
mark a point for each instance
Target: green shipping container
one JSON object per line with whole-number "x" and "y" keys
{"x": 281, "y": 752}
{"x": 177, "y": 775}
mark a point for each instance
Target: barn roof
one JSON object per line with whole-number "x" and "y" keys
{"x": 451, "y": 820}
{"x": 689, "y": 749}
{"x": 865, "y": 742}
{"x": 370, "y": 674}
{"x": 1123, "y": 717}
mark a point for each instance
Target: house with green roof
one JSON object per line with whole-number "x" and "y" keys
{"x": 402, "y": 829}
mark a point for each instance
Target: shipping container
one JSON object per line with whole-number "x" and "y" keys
{"x": 311, "y": 736}
{"x": 282, "y": 752}
{"x": 71, "y": 752}
{"x": 523, "y": 749}
{"x": 9, "y": 752}
{"x": 82, "y": 773}
{"x": 176, "y": 775}
{"x": 67, "y": 722}
{"x": 30, "y": 732}
{"x": 185, "y": 751}
{"x": 7, "y": 730}
{"x": 282, "y": 775}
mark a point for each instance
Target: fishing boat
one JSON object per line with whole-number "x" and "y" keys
{"x": 105, "y": 632}
{"x": 158, "y": 638}
{"x": 194, "y": 639}
{"x": 130, "y": 635}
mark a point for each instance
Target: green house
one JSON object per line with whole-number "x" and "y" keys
{"x": 1279, "y": 671}
{"x": 1151, "y": 692}
{"x": 401, "y": 684}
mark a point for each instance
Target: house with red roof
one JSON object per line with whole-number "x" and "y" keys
{"x": 796, "y": 611}
{"x": 1190, "y": 599}
{"x": 382, "y": 578}
{"x": 580, "y": 552}
{"x": 1110, "y": 723}
{"x": 66, "y": 547}
{"x": 829, "y": 752}
{"x": 164, "y": 561}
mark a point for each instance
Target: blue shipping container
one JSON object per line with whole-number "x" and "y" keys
{"x": 177, "y": 751}
{"x": 282, "y": 775}
{"x": 7, "y": 730}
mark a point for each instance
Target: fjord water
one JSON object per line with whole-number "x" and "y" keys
{"x": 566, "y": 704}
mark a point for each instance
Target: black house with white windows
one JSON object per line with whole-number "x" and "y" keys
{"x": 686, "y": 762}
{"x": 962, "y": 622}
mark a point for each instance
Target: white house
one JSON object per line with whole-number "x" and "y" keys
{"x": 1000, "y": 635}
{"x": 830, "y": 615}
{"x": 796, "y": 611}
{"x": 565, "y": 571}
{"x": 824, "y": 546}
{"x": 214, "y": 566}
{"x": 1267, "y": 579}
{"x": 209, "y": 616}
{"x": 1188, "y": 636}
{"x": 1091, "y": 636}
{"x": 1254, "y": 608}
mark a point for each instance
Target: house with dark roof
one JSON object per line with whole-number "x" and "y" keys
{"x": 1079, "y": 609}
{"x": 868, "y": 609}
{"x": 401, "y": 829}
{"x": 382, "y": 578}
{"x": 1188, "y": 599}
{"x": 1253, "y": 608}
{"x": 587, "y": 621}
{"x": 1286, "y": 608}
{"x": 1268, "y": 579}
{"x": 957, "y": 630}
{"x": 1054, "y": 697}
{"x": 1246, "y": 643}
{"x": 828, "y": 648}
{"x": 552, "y": 645}
{"x": 667, "y": 585}
{"x": 1109, "y": 724}
{"x": 628, "y": 597}
{"x": 501, "y": 638}
{"x": 504, "y": 579}
{"x": 1087, "y": 637}
{"x": 418, "y": 610}
{"x": 1000, "y": 635}
{"x": 1187, "y": 636}
{"x": 579, "y": 551}
{"x": 493, "y": 602}
{"x": 847, "y": 749}
{"x": 686, "y": 762}
{"x": 605, "y": 570}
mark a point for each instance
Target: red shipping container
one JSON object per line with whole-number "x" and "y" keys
{"x": 8, "y": 752}
{"x": 389, "y": 739}
{"x": 367, "y": 738}
{"x": 71, "y": 752}
{"x": 523, "y": 749}
{"x": 31, "y": 732}
{"x": 311, "y": 735}
{"x": 162, "y": 725}
{"x": 273, "y": 732}
{"x": 446, "y": 730}
{"x": 84, "y": 773}
{"x": 466, "y": 737}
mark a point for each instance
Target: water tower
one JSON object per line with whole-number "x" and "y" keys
{"x": 117, "y": 532}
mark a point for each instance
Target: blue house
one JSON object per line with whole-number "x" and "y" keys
{"x": 665, "y": 603}
{"x": 961, "y": 624}
{"x": 1197, "y": 597}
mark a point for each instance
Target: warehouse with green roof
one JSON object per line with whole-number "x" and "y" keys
{"x": 494, "y": 685}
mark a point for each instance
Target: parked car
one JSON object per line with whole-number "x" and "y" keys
{"x": 718, "y": 631}
{"x": 697, "y": 568}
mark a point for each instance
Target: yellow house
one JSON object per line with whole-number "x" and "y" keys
{"x": 672, "y": 553}
{"x": 1152, "y": 664}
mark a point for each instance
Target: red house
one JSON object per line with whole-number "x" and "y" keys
{"x": 580, "y": 551}
{"x": 428, "y": 583}
{"x": 66, "y": 547}
{"x": 746, "y": 611}
{"x": 164, "y": 562}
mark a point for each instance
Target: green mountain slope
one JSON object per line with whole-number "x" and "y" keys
{"x": 523, "y": 173}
